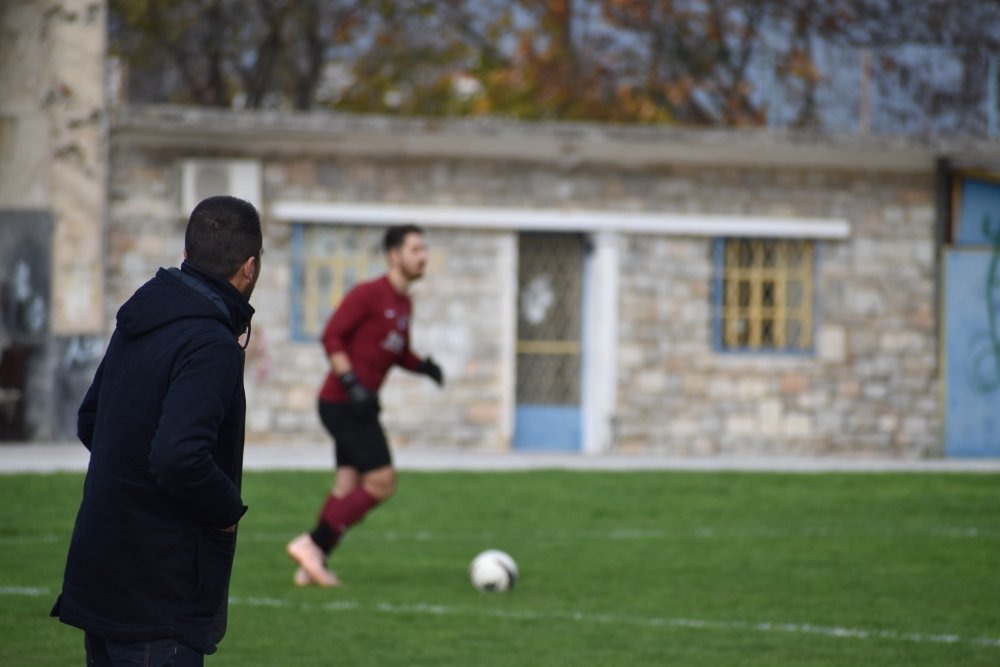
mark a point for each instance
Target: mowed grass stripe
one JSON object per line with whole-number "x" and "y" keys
{"x": 823, "y": 532}
{"x": 618, "y": 568}
{"x": 611, "y": 618}
{"x": 581, "y": 617}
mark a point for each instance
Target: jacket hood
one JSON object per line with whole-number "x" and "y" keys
{"x": 172, "y": 296}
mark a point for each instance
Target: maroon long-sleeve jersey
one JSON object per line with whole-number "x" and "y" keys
{"x": 372, "y": 326}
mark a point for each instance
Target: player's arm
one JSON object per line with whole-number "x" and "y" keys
{"x": 341, "y": 326}
{"x": 363, "y": 399}
{"x": 408, "y": 359}
{"x": 432, "y": 370}
{"x": 415, "y": 364}
{"x": 340, "y": 363}
{"x": 205, "y": 383}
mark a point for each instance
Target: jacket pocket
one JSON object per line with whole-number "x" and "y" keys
{"x": 216, "y": 549}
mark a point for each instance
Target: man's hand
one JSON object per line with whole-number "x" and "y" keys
{"x": 364, "y": 402}
{"x": 431, "y": 370}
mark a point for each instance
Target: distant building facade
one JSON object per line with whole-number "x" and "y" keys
{"x": 591, "y": 288}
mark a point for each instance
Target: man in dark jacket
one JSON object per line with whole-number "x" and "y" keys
{"x": 149, "y": 562}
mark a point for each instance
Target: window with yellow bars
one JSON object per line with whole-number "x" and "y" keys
{"x": 327, "y": 261}
{"x": 764, "y": 295}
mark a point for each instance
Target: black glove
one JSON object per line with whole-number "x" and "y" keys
{"x": 431, "y": 370}
{"x": 364, "y": 402}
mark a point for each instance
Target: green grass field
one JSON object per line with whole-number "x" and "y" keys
{"x": 652, "y": 568}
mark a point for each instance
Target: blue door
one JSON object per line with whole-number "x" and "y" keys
{"x": 972, "y": 404}
{"x": 549, "y": 326}
{"x": 972, "y": 323}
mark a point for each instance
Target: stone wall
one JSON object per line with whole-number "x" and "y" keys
{"x": 458, "y": 319}
{"x": 868, "y": 388}
{"x": 460, "y": 310}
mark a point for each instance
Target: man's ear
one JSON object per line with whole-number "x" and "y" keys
{"x": 250, "y": 268}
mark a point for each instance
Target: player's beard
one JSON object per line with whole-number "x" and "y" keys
{"x": 413, "y": 273}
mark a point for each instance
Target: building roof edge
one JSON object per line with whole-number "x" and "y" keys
{"x": 258, "y": 133}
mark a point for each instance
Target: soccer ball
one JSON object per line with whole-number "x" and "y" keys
{"x": 493, "y": 570}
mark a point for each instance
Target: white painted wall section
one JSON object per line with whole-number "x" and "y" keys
{"x": 600, "y": 367}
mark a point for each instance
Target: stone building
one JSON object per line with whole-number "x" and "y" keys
{"x": 592, "y": 288}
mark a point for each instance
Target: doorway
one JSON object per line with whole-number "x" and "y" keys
{"x": 549, "y": 342}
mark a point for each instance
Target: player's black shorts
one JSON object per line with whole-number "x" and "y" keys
{"x": 358, "y": 442}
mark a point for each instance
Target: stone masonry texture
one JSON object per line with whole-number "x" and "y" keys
{"x": 868, "y": 387}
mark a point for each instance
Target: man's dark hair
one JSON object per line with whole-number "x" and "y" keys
{"x": 394, "y": 236}
{"x": 221, "y": 233}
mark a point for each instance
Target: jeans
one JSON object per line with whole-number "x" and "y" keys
{"x": 103, "y": 652}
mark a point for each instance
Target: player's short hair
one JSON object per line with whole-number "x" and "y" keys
{"x": 396, "y": 235}
{"x": 221, "y": 234}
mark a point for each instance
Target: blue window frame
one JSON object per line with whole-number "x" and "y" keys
{"x": 764, "y": 295}
{"x": 327, "y": 261}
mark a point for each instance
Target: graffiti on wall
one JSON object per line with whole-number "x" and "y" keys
{"x": 984, "y": 371}
{"x": 76, "y": 359}
{"x": 25, "y": 304}
{"x": 25, "y": 272}
{"x": 42, "y": 377}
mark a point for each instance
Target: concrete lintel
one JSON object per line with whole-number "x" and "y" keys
{"x": 561, "y": 220}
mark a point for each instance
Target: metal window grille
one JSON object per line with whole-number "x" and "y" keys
{"x": 766, "y": 295}
{"x": 328, "y": 260}
{"x": 550, "y": 274}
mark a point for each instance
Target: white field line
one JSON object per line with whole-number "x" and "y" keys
{"x": 29, "y": 591}
{"x": 625, "y": 534}
{"x": 13, "y": 540}
{"x": 424, "y": 609}
{"x": 619, "y": 619}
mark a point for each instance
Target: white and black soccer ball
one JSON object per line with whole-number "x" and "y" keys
{"x": 493, "y": 570}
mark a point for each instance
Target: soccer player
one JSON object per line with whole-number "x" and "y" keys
{"x": 367, "y": 335}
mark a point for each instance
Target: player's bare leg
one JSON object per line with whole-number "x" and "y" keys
{"x": 312, "y": 562}
{"x": 312, "y": 568}
{"x": 346, "y": 480}
{"x": 301, "y": 578}
{"x": 380, "y": 483}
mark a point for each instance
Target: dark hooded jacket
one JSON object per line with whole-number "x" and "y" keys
{"x": 164, "y": 423}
